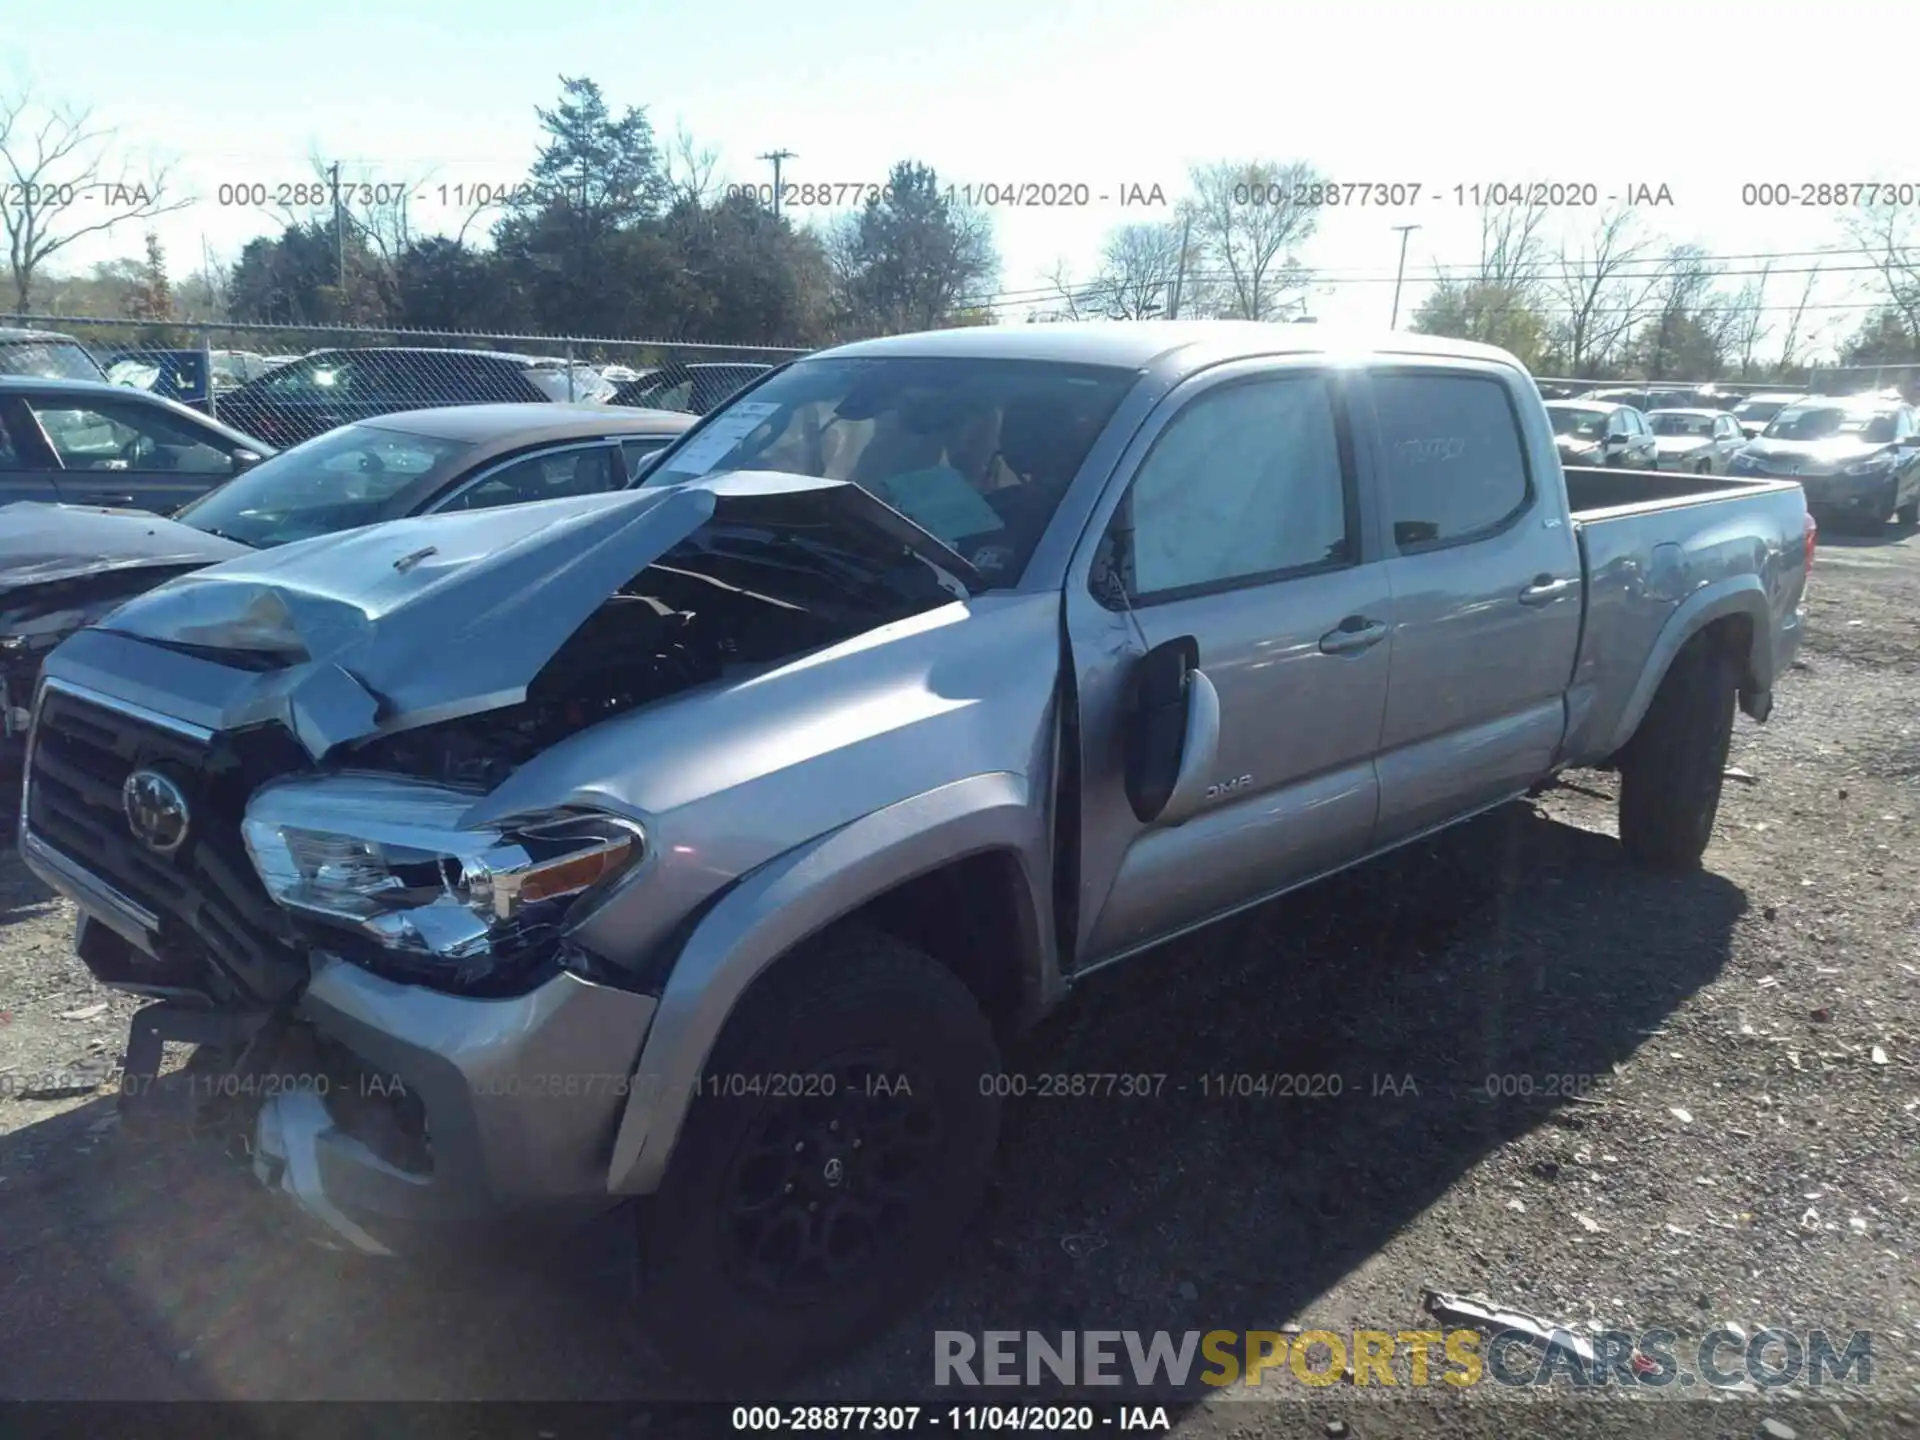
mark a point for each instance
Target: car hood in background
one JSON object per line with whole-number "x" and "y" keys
{"x": 422, "y": 620}
{"x": 43, "y": 543}
{"x": 1680, "y": 444}
{"x": 1810, "y": 457}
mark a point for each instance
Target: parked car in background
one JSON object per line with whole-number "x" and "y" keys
{"x": 747, "y": 774}
{"x": 182, "y": 374}
{"x": 1590, "y": 432}
{"x": 1754, "y": 413}
{"x": 311, "y": 395}
{"x": 696, "y": 388}
{"x": 48, "y": 355}
{"x": 1643, "y": 399}
{"x": 1857, "y": 457}
{"x": 62, "y": 567}
{"x": 90, "y": 442}
{"x": 1700, "y": 441}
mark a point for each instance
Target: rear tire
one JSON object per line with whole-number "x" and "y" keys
{"x": 1672, "y": 771}
{"x": 791, "y": 1227}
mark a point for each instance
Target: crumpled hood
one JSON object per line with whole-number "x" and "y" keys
{"x": 42, "y": 543}
{"x": 427, "y": 619}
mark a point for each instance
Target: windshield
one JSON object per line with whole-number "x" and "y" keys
{"x": 1758, "y": 410}
{"x": 1671, "y": 423}
{"x": 1577, "y": 424}
{"x": 48, "y": 360}
{"x": 335, "y": 481}
{"x": 1826, "y": 422}
{"x": 976, "y": 451}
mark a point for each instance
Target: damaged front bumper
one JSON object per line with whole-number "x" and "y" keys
{"x": 403, "y": 1120}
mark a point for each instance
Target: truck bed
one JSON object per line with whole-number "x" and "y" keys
{"x": 1649, "y": 542}
{"x": 1593, "y": 488}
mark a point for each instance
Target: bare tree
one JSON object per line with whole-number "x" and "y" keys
{"x": 690, "y": 169}
{"x": 1245, "y": 227}
{"x": 60, "y": 187}
{"x": 1139, "y": 266}
{"x": 1891, "y": 240}
{"x": 1604, "y": 285}
{"x": 1513, "y": 252}
{"x": 1795, "y": 335}
{"x": 1747, "y": 325}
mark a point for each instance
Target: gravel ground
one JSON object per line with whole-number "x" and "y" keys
{"x": 1742, "y": 1143}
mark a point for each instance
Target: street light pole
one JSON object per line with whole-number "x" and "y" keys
{"x": 1401, "y": 274}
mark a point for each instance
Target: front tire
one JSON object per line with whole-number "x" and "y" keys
{"x": 1672, "y": 771}
{"x": 1909, "y": 513}
{"x": 791, "y": 1227}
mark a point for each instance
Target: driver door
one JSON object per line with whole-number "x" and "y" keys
{"x": 128, "y": 455}
{"x": 1236, "y": 517}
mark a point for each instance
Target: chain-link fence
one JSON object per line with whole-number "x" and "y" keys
{"x": 284, "y": 384}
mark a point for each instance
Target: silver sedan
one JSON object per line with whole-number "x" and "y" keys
{"x": 1699, "y": 441}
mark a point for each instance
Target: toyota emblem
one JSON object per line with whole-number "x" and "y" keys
{"x": 156, "y": 811}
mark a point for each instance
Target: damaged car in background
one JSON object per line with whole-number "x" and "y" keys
{"x": 65, "y": 566}
{"x": 696, "y": 849}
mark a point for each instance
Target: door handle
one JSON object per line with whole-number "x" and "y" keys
{"x": 1546, "y": 589}
{"x": 118, "y": 502}
{"x": 1354, "y": 634}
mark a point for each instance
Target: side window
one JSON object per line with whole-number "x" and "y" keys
{"x": 636, "y": 452}
{"x": 1451, "y": 457}
{"x": 1245, "y": 483}
{"x": 127, "y": 437}
{"x": 545, "y": 476}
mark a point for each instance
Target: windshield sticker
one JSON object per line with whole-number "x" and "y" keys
{"x": 720, "y": 438}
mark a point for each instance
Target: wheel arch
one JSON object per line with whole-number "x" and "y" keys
{"x": 900, "y": 869}
{"x": 1735, "y": 612}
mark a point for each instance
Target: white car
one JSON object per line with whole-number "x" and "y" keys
{"x": 1702, "y": 442}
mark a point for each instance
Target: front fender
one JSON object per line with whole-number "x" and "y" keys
{"x": 797, "y": 895}
{"x": 1741, "y": 595}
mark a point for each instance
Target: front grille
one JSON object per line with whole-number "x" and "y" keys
{"x": 214, "y": 915}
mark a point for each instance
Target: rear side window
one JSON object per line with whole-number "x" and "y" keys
{"x": 1450, "y": 455}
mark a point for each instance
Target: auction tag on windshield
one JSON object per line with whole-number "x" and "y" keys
{"x": 718, "y": 440}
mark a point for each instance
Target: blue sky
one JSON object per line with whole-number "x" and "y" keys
{"x": 1701, "y": 98}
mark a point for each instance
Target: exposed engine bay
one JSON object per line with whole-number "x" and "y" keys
{"x": 672, "y": 629}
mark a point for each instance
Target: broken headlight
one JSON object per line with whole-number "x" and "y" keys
{"x": 388, "y": 860}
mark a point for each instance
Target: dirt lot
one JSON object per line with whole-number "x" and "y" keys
{"x": 1743, "y": 1144}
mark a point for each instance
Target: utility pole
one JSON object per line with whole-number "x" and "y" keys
{"x": 776, "y": 156}
{"x": 1405, "y": 231}
{"x": 339, "y": 235}
{"x": 1180, "y": 270}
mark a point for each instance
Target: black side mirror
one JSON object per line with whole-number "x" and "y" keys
{"x": 1156, "y": 734}
{"x": 245, "y": 460}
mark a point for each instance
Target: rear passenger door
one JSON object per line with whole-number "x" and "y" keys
{"x": 1486, "y": 590}
{"x": 1235, "y": 517}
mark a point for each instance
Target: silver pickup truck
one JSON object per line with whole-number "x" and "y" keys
{"x": 700, "y": 846}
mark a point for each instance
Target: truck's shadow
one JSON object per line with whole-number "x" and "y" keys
{"x": 1512, "y": 953}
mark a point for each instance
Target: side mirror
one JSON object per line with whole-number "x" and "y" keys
{"x": 244, "y": 459}
{"x": 1172, "y": 734}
